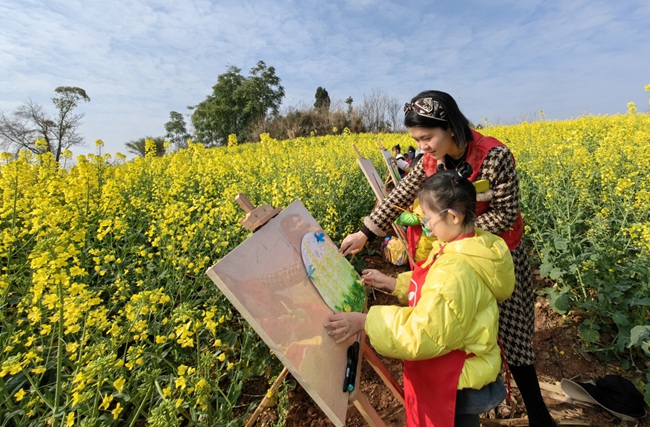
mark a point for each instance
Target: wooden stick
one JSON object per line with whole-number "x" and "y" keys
{"x": 274, "y": 388}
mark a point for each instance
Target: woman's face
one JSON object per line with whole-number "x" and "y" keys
{"x": 435, "y": 141}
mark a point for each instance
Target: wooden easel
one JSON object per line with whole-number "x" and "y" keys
{"x": 256, "y": 218}
{"x": 380, "y": 192}
{"x": 391, "y": 164}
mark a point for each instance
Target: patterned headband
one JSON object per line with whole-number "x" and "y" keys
{"x": 426, "y": 107}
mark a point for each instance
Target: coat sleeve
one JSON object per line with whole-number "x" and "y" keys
{"x": 438, "y": 323}
{"x": 402, "y": 287}
{"x": 381, "y": 218}
{"x": 499, "y": 168}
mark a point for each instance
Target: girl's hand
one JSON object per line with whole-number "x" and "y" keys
{"x": 342, "y": 326}
{"x": 378, "y": 280}
{"x": 353, "y": 243}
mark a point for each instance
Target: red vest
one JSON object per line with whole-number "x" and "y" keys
{"x": 477, "y": 150}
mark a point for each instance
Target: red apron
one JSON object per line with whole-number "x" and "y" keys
{"x": 430, "y": 385}
{"x": 413, "y": 234}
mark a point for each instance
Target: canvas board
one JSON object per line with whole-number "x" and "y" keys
{"x": 393, "y": 170}
{"x": 266, "y": 281}
{"x": 373, "y": 178}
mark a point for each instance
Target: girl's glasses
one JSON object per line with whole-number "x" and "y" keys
{"x": 425, "y": 221}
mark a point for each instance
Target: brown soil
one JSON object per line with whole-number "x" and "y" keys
{"x": 559, "y": 355}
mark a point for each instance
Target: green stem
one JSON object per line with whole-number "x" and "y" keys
{"x": 5, "y": 395}
{"x": 59, "y": 356}
{"x": 35, "y": 387}
{"x": 144, "y": 400}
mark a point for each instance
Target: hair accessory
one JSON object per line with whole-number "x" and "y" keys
{"x": 426, "y": 107}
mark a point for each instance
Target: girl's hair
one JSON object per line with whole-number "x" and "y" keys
{"x": 446, "y": 114}
{"x": 450, "y": 190}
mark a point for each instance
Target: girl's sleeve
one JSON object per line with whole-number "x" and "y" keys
{"x": 402, "y": 287}
{"x": 434, "y": 327}
{"x": 499, "y": 168}
{"x": 381, "y": 218}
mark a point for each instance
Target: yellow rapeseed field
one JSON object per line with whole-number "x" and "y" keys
{"x": 106, "y": 317}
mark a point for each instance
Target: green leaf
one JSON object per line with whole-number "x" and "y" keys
{"x": 640, "y": 336}
{"x": 560, "y": 243}
{"x": 545, "y": 269}
{"x": 644, "y": 302}
{"x": 556, "y": 273}
{"x": 620, "y": 319}
{"x": 558, "y": 299}
{"x": 588, "y": 334}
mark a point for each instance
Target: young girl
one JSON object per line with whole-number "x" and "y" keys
{"x": 447, "y": 335}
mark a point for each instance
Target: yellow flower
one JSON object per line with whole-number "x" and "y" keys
{"x": 69, "y": 419}
{"x": 222, "y": 357}
{"x": 39, "y": 370}
{"x": 20, "y": 394}
{"x": 116, "y": 412}
{"x": 181, "y": 383}
{"x": 119, "y": 384}
{"x": 106, "y": 401}
{"x": 76, "y": 398}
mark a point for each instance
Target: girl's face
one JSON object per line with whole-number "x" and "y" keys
{"x": 446, "y": 225}
{"x": 435, "y": 141}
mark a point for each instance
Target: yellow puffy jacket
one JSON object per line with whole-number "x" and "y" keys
{"x": 457, "y": 309}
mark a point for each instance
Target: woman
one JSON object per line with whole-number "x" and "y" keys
{"x": 442, "y": 131}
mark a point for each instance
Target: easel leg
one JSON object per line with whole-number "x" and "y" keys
{"x": 366, "y": 410}
{"x": 274, "y": 388}
{"x": 383, "y": 373}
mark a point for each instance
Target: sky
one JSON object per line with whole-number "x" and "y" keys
{"x": 503, "y": 61}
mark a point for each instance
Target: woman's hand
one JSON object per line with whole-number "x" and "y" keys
{"x": 342, "y": 326}
{"x": 353, "y": 243}
{"x": 378, "y": 280}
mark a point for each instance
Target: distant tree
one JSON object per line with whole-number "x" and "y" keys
{"x": 139, "y": 146}
{"x": 236, "y": 103}
{"x": 177, "y": 133}
{"x": 349, "y": 101}
{"x": 31, "y": 122}
{"x": 322, "y": 102}
{"x": 380, "y": 112}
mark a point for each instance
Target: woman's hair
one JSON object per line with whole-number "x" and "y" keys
{"x": 444, "y": 113}
{"x": 397, "y": 147}
{"x": 450, "y": 190}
